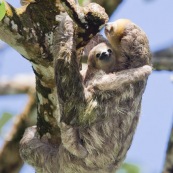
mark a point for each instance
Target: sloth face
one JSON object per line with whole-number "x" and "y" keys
{"x": 102, "y": 57}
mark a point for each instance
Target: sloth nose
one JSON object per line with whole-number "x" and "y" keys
{"x": 104, "y": 55}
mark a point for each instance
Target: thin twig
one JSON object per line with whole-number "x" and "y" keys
{"x": 10, "y": 160}
{"x": 18, "y": 85}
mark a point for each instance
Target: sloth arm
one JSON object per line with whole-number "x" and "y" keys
{"x": 116, "y": 80}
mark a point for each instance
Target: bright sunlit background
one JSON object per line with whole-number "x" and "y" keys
{"x": 150, "y": 141}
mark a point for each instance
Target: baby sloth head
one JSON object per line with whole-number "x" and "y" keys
{"x": 102, "y": 57}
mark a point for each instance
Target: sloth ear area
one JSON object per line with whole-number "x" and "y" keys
{"x": 91, "y": 61}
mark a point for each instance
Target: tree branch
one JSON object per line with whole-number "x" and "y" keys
{"x": 109, "y": 6}
{"x": 23, "y": 29}
{"x": 168, "y": 165}
{"x": 29, "y": 29}
{"x": 89, "y": 19}
{"x": 20, "y": 84}
{"x": 163, "y": 59}
{"x": 10, "y": 160}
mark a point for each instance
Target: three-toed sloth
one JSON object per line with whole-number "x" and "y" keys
{"x": 114, "y": 83}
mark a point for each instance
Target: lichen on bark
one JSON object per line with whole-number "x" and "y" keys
{"x": 30, "y": 30}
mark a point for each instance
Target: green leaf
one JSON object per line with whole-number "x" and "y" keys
{"x": 4, "y": 119}
{"x": 2, "y": 9}
{"x": 80, "y": 2}
{"x": 129, "y": 168}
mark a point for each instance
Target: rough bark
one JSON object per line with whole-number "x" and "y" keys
{"x": 30, "y": 30}
{"x": 109, "y": 6}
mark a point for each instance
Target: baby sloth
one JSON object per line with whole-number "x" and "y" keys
{"x": 102, "y": 57}
{"x": 101, "y": 60}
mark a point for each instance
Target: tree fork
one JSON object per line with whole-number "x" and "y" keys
{"x": 30, "y": 30}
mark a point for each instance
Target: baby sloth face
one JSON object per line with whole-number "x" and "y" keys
{"x": 102, "y": 57}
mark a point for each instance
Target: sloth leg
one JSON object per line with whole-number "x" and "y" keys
{"x": 71, "y": 140}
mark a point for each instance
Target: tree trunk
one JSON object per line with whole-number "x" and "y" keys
{"x": 30, "y": 30}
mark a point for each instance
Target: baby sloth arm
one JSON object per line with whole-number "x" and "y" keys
{"x": 117, "y": 80}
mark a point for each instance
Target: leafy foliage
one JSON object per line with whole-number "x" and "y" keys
{"x": 129, "y": 168}
{"x": 4, "y": 119}
{"x": 2, "y": 9}
{"x": 80, "y": 2}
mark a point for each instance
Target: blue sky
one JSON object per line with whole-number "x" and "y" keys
{"x": 153, "y": 16}
{"x": 150, "y": 141}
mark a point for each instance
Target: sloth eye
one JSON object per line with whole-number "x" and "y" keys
{"x": 109, "y": 50}
{"x": 98, "y": 55}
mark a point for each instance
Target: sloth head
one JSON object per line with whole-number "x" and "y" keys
{"x": 114, "y": 31}
{"x": 102, "y": 57}
{"x": 130, "y": 44}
